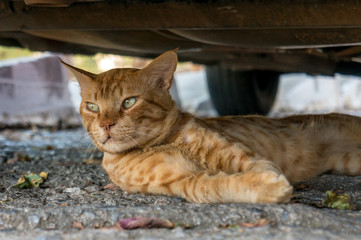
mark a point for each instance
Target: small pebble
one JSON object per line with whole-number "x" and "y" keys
{"x": 75, "y": 190}
{"x": 92, "y": 188}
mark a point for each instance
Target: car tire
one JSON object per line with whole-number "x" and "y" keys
{"x": 241, "y": 92}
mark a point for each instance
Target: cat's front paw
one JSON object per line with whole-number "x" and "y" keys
{"x": 274, "y": 188}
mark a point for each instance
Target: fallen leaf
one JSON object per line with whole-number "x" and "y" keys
{"x": 337, "y": 201}
{"x": 43, "y": 175}
{"x": 116, "y": 226}
{"x": 140, "y": 222}
{"x": 259, "y": 223}
{"x": 229, "y": 226}
{"x": 111, "y": 186}
{"x": 31, "y": 180}
{"x": 49, "y": 148}
{"x": 145, "y": 223}
{"x": 77, "y": 225}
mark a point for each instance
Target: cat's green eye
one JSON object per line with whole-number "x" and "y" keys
{"x": 92, "y": 107}
{"x": 129, "y": 102}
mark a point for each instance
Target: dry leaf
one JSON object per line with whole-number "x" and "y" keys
{"x": 116, "y": 226}
{"x": 140, "y": 222}
{"x": 259, "y": 223}
{"x": 49, "y": 148}
{"x": 77, "y": 225}
{"x": 111, "y": 186}
{"x": 145, "y": 223}
{"x": 43, "y": 175}
{"x": 228, "y": 226}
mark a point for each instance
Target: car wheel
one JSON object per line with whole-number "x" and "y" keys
{"x": 241, "y": 92}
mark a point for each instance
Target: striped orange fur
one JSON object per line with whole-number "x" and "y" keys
{"x": 152, "y": 147}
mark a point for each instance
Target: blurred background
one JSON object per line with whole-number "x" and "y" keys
{"x": 36, "y": 90}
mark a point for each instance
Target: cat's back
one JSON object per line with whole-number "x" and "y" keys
{"x": 248, "y": 125}
{"x": 299, "y": 131}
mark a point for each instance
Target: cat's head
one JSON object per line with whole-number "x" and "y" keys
{"x": 127, "y": 108}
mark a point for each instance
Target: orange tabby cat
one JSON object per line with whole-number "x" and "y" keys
{"x": 151, "y": 147}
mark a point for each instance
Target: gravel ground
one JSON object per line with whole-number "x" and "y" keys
{"x": 73, "y": 203}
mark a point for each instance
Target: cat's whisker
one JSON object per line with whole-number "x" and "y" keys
{"x": 147, "y": 134}
{"x": 92, "y": 151}
{"x": 151, "y": 135}
{"x": 146, "y": 128}
{"x": 91, "y": 147}
{"x": 86, "y": 143}
{"x": 133, "y": 140}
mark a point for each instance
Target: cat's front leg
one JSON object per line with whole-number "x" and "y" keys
{"x": 170, "y": 173}
{"x": 260, "y": 182}
{"x": 271, "y": 184}
{"x": 150, "y": 172}
{"x": 250, "y": 187}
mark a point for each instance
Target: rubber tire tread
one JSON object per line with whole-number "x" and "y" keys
{"x": 241, "y": 92}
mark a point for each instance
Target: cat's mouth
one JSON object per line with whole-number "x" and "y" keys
{"x": 112, "y": 144}
{"x": 115, "y": 144}
{"x": 109, "y": 138}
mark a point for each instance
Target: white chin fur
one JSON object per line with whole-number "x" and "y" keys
{"x": 114, "y": 146}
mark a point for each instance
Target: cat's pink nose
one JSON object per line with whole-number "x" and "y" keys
{"x": 106, "y": 125}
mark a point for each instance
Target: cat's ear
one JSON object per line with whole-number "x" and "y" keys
{"x": 84, "y": 78}
{"x": 160, "y": 71}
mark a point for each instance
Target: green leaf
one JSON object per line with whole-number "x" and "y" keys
{"x": 337, "y": 201}
{"x": 31, "y": 180}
